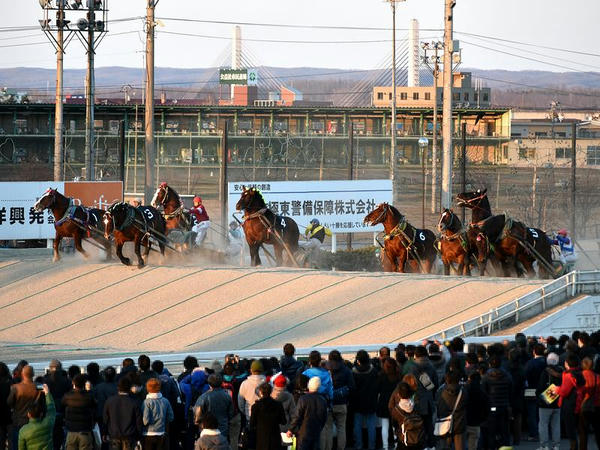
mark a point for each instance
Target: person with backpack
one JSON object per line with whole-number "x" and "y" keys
{"x": 452, "y": 400}
{"x": 497, "y": 385}
{"x": 570, "y": 397}
{"x": 192, "y": 386}
{"x": 549, "y": 412}
{"x": 410, "y": 429}
{"x": 343, "y": 386}
{"x": 364, "y": 399}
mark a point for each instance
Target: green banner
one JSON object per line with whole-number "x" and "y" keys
{"x": 233, "y": 76}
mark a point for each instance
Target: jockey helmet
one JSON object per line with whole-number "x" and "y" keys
{"x": 563, "y": 232}
{"x": 197, "y": 199}
{"x": 315, "y": 222}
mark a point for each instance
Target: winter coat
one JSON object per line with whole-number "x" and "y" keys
{"x": 445, "y": 401}
{"x": 423, "y": 365}
{"x": 5, "y": 385}
{"x": 122, "y": 417}
{"x": 550, "y": 375}
{"x": 343, "y": 382}
{"x": 385, "y": 388}
{"x": 156, "y": 414}
{"x": 80, "y": 411}
{"x": 289, "y": 405}
{"x": 234, "y": 383}
{"x": 22, "y": 395}
{"x": 326, "y": 388}
{"x": 211, "y": 440}
{"x": 592, "y": 387}
{"x": 439, "y": 362}
{"x": 496, "y": 383}
{"x": 518, "y": 388}
{"x": 249, "y": 393}
{"x": 37, "y": 434}
{"x": 59, "y": 385}
{"x": 571, "y": 390}
{"x": 310, "y": 417}
{"x": 266, "y": 418}
{"x": 533, "y": 371}
{"x": 290, "y": 367}
{"x": 104, "y": 390}
{"x": 192, "y": 386}
{"x": 217, "y": 402}
{"x": 478, "y": 404}
{"x": 364, "y": 397}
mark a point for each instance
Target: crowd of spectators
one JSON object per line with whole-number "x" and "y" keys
{"x": 433, "y": 395}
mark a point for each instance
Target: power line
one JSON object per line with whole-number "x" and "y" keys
{"x": 284, "y": 41}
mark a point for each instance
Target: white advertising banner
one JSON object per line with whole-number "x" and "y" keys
{"x": 339, "y": 205}
{"x": 18, "y": 220}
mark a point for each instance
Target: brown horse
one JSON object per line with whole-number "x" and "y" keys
{"x": 174, "y": 212}
{"x": 403, "y": 242}
{"x": 70, "y": 220}
{"x": 261, "y": 226}
{"x": 128, "y": 223}
{"x": 454, "y": 243}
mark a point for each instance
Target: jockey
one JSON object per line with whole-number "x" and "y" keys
{"x": 315, "y": 234}
{"x": 567, "y": 248}
{"x": 136, "y": 202}
{"x": 234, "y": 236}
{"x": 201, "y": 219}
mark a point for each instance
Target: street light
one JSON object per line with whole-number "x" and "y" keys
{"x": 423, "y": 143}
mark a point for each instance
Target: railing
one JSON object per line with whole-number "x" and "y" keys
{"x": 527, "y": 306}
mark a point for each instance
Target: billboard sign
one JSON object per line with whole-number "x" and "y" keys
{"x": 252, "y": 77}
{"x": 18, "y": 219}
{"x": 233, "y": 76}
{"x": 340, "y": 205}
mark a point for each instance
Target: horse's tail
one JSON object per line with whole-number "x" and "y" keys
{"x": 292, "y": 234}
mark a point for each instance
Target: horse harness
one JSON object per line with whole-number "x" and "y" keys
{"x": 407, "y": 242}
{"x": 70, "y": 215}
{"x": 271, "y": 227}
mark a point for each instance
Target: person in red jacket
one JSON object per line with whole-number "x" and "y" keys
{"x": 570, "y": 394}
{"x": 201, "y": 219}
{"x": 590, "y": 412}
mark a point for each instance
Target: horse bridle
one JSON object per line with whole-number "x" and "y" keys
{"x": 480, "y": 197}
{"x": 442, "y": 226}
{"x": 165, "y": 189}
{"x": 52, "y": 193}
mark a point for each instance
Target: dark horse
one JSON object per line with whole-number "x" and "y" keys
{"x": 128, "y": 223}
{"x": 454, "y": 243}
{"x": 261, "y": 225}
{"x": 403, "y": 241}
{"x": 178, "y": 219}
{"x": 74, "y": 221}
{"x": 504, "y": 237}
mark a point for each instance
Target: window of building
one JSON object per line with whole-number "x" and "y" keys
{"x": 526, "y": 153}
{"x": 476, "y": 96}
{"x": 466, "y": 96}
{"x": 380, "y": 96}
{"x": 427, "y": 95}
{"x": 562, "y": 152}
{"x": 390, "y": 95}
{"x": 456, "y": 96}
{"x": 486, "y": 97}
{"x": 403, "y": 96}
{"x": 593, "y": 155}
{"x": 541, "y": 134}
{"x": 415, "y": 96}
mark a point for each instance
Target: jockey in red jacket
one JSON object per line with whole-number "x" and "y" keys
{"x": 201, "y": 218}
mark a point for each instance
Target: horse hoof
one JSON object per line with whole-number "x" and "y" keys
{"x": 55, "y": 259}
{"x": 140, "y": 265}
{"x": 126, "y": 261}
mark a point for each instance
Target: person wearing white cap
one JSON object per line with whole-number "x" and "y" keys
{"x": 310, "y": 417}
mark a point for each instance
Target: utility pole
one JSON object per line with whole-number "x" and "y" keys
{"x": 447, "y": 107}
{"x": 89, "y": 97}
{"x": 58, "y": 102}
{"x": 573, "y": 178}
{"x": 150, "y": 151}
{"x": 223, "y": 176}
{"x": 436, "y": 71}
{"x": 350, "y": 170}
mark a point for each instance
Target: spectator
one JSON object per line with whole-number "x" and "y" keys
{"x": 533, "y": 372}
{"x": 210, "y": 436}
{"x": 192, "y": 387}
{"x": 156, "y": 414}
{"x": 310, "y": 417}
{"x": 231, "y": 383}
{"x": 80, "y": 414}
{"x": 549, "y": 413}
{"x": 189, "y": 364}
{"x": 452, "y": 400}
{"x": 409, "y": 427}
{"x": 343, "y": 386}
{"x": 426, "y": 387}
{"x": 73, "y": 371}
{"x": 409, "y": 364}
{"x": 364, "y": 399}
{"x": 585, "y": 349}
{"x": 590, "y": 407}
{"x": 17, "y": 371}
{"x": 301, "y": 387}
{"x": 59, "y": 385}
{"x": 387, "y": 381}
{"x": 38, "y": 433}
{"x": 249, "y": 389}
{"x": 127, "y": 366}
{"x": 517, "y": 374}
{"x": 266, "y": 418}
{"x": 5, "y": 383}
{"x": 570, "y": 394}
{"x": 21, "y": 397}
{"x": 283, "y": 396}
{"x": 123, "y": 418}
{"x": 145, "y": 372}
{"x": 316, "y": 370}
{"x": 92, "y": 371}
{"x": 478, "y": 408}
{"x": 497, "y": 385}
{"x": 290, "y": 367}
{"x": 438, "y": 359}
{"x": 217, "y": 402}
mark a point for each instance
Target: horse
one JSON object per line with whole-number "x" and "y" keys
{"x": 503, "y": 237}
{"x": 262, "y": 226}
{"x": 179, "y": 221}
{"x": 128, "y": 223}
{"x": 454, "y": 243}
{"x": 72, "y": 220}
{"x": 403, "y": 242}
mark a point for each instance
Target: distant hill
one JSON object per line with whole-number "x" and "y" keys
{"x": 511, "y": 88}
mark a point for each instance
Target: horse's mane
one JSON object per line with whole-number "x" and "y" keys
{"x": 395, "y": 212}
{"x": 258, "y": 198}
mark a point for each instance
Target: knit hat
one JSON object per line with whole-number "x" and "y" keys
{"x": 256, "y": 366}
{"x": 280, "y": 381}
{"x": 314, "y": 384}
{"x": 552, "y": 359}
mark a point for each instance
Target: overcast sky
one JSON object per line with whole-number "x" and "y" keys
{"x": 568, "y": 25}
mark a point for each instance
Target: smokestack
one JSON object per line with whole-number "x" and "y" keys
{"x": 413, "y": 53}
{"x": 236, "y": 51}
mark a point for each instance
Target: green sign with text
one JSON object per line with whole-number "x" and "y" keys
{"x": 233, "y": 76}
